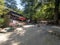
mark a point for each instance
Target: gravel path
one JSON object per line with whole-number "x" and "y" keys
{"x": 30, "y": 35}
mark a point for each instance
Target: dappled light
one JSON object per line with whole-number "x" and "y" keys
{"x": 29, "y": 22}
{"x": 3, "y": 37}
{"x": 29, "y": 35}
{"x": 27, "y": 26}
{"x": 15, "y": 43}
{"x": 20, "y": 31}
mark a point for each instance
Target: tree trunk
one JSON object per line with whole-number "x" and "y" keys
{"x": 56, "y": 11}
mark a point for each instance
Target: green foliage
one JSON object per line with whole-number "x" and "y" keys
{"x": 1, "y": 6}
{"x": 3, "y": 13}
{"x": 29, "y": 7}
{"x": 1, "y": 22}
{"x": 45, "y": 11}
{"x": 11, "y": 4}
{"x": 38, "y": 10}
{"x": 19, "y": 11}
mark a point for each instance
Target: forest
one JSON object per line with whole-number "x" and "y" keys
{"x": 29, "y": 22}
{"x": 33, "y": 9}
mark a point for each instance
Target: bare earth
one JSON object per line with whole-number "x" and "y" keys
{"x": 30, "y": 35}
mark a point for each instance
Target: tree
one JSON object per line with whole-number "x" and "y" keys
{"x": 1, "y": 6}
{"x": 56, "y": 10}
{"x": 41, "y": 9}
{"x": 2, "y": 12}
{"x": 29, "y": 5}
{"x": 45, "y": 11}
{"x": 11, "y": 4}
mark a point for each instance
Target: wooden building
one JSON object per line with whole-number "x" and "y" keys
{"x": 16, "y": 16}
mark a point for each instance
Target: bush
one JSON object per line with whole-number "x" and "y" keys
{"x": 1, "y": 22}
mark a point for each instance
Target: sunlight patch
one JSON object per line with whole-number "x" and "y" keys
{"x": 15, "y": 43}
{"x": 27, "y": 26}
{"x": 20, "y": 31}
{"x": 4, "y": 37}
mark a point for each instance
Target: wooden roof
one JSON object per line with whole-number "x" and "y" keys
{"x": 15, "y": 14}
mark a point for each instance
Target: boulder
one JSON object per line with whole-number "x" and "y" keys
{"x": 2, "y": 30}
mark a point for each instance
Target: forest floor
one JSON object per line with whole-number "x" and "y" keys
{"x": 31, "y": 35}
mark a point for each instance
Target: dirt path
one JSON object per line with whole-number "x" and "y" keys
{"x": 30, "y": 35}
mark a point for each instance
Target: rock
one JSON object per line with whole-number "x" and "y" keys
{"x": 0, "y": 28}
{"x": 3, "y": 30}
{"x": 50, "y": 31}
{"x": 18, "y": 29}
{"x": 7, "y": 28}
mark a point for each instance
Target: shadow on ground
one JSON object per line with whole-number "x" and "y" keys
{"x": 31, "y": 36}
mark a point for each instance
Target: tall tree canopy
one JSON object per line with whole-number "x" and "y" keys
{"x": 11, "y": 4}
{"x": 29, "y": 7}
{"x": 1, "y": 6}
{"x": 46, "y": 10}
{"x": 38, "y": 8}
